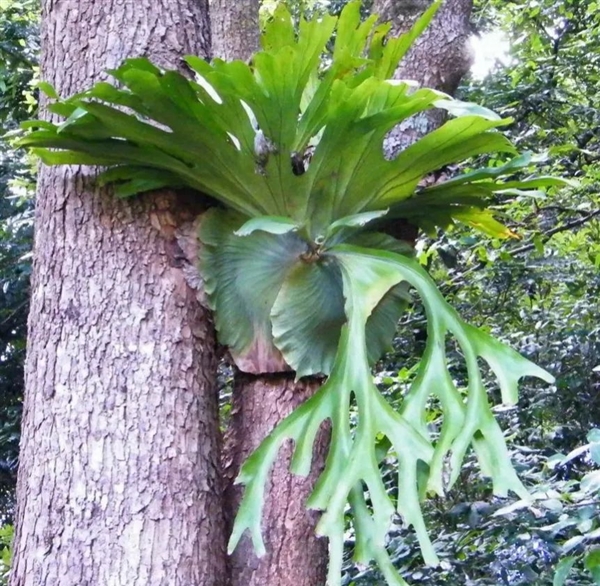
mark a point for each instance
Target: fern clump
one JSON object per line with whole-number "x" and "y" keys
{"x": 297, "y": 265}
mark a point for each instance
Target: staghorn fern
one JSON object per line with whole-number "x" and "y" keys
{"x": 296, "y": 267}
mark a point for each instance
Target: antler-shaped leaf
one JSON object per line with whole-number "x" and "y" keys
{"x": 352, "y": 461}
{"x": 465, "y": 197}
{"x": 283, "y": 136}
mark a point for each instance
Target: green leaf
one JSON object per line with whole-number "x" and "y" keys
{"x": 307, "y": 317}
{"x": 592, "y": 564}
{"x": 129, "y": 181}
{"x": 461, "y": 204}
{"x": 259, "y": 119}
{"x": 354, "y": 221}
{"x": 348, "y": 162}
{"x": 353, "y": 457}
{"x": 456, "y": 140}
{"x": 243, "y": 276}
{"x": 562, "y": 570}
{"x": 270, "y": 224}
{"x": 396, "y": 49}
{"x": 279, "y": 31}
{"x": 48, "y": 89}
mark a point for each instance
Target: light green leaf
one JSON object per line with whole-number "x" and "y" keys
{"x": 562, "y": 570}
{"x": 459, "y": 108}
{"x": 535, "y": 182}
{"x": 513, "y": 166}
{"x": 48, "y": 89}
{"x": 270, "y": 224}
{"x": 279, "y": 30}
{"x": 383, "y": 322}
{"x": 352, "y": 461}
{"x": 483, "y": 221}
{"x": 595, "y": 453}
{"x": 356, "y": 220}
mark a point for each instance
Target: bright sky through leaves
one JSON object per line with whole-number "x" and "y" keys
{"x": 489, "y": 48}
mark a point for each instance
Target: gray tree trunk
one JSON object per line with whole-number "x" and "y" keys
{"x": 119, "y": 481}
{"x": 439, "y": 59}
{"x": 234, "y": 26}
{"x": 295, "y": 556}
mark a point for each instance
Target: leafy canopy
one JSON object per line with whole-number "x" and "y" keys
{"x": 298, "y": 267}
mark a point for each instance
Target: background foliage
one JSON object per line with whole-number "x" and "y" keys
{"x": 18, "y": 58}
{"x": 540, "y": 294}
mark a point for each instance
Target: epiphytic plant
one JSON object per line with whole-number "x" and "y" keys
{"x": 297, "y": 264}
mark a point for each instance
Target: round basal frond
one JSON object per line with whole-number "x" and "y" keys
{"x": 309, "y": 313}
{"x": 278, "y": 301}
{"x": 243, "y": 276}
{"x": 308, "y": 316}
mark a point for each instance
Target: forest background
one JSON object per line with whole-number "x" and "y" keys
{"x": 537, "y": 61}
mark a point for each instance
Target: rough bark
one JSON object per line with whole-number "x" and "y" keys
{"x": 119, "y": 478}
{"x": 234, "y": 26}
{"x": 295, "y": 556}
{"x": 439, "y": 58}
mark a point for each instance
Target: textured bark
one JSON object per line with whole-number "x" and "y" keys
{"x": 439, "y": 58}
{"x": 119, "y": 478}
{"x": 235, "y": 31}
{"x": 295, "y": 556}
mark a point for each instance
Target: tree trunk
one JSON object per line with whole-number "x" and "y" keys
{"x": 295, "y": 556}
{"x": 234, "y": 26}
{"x": 439, "y": 59}
{"x": 119, "y": 480}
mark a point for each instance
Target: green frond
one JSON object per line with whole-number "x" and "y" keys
{"x": 352, "y": 462}
{"x": 302, "y": 125}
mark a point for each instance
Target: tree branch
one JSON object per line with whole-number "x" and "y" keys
{"x": 563, "y": 228}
